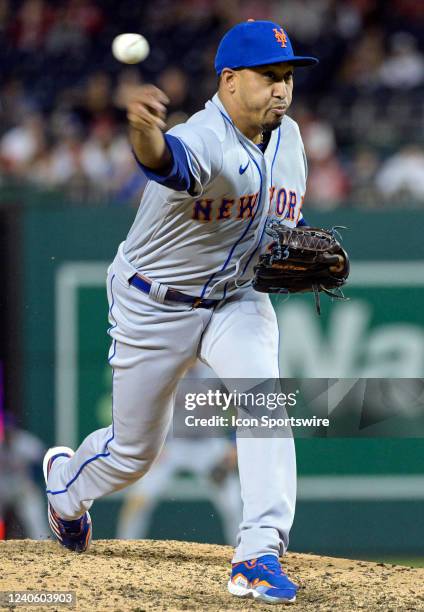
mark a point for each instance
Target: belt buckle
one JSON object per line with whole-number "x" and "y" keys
{"x": 197, "y": 303}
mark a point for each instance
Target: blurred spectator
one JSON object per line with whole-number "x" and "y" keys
{"x": 21, "y": 144}
{"x": 404, "y": 67}
{"x": 30, "y": 25}
{"x": 64, "y": 164}
{"x": 362, "y": 64}
{"x": 21, "y": 454}
{"x": 402, "y": 176}
{"x": 174, "y": 83}
{"x": 87, "y": 15}
{"x": 327, "y": 184}
{"x": 362, "y": 178}
{"x": 95, "y": 99}
{"x": 66, "y": 34}
{"x": 15, "y": 103}
{"x": 104, "y": 156}
{"x": 348, "y": 18}
{"x": 305, "y": 18}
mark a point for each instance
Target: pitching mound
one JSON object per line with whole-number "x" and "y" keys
{"x": 156, "y": 575}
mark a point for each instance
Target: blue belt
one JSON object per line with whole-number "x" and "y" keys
{"x": 172, "y": 295}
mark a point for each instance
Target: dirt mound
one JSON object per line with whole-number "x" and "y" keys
{"x": 116, "y": 575}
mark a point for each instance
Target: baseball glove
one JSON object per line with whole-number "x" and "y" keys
{"x": 302, "y": 259}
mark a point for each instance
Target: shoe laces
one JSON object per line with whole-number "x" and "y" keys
{"x": 273, "y": 565}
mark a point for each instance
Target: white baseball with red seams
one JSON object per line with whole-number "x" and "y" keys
{"x": 130, "y": 48}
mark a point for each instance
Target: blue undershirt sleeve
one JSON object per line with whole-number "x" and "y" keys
{"x": 179, "y": 176}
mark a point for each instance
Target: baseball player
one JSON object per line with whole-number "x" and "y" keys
{"x": 179, "y": 289}
{"x": 20, "y": 454}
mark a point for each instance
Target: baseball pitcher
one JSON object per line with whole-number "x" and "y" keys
{"x": 180, "y": 288}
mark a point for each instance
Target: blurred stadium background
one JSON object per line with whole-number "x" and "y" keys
{"x": 68, "y": 192}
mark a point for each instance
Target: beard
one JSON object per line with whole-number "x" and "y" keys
{"x": 269, "y": 126}
{"x": 271, "y": 121}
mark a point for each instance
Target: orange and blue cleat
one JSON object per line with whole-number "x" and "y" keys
{"x": 262, "y": 579}
{"x": 74, "y": 535}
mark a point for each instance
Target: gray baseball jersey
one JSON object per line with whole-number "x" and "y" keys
{"x": 206, "y": 243}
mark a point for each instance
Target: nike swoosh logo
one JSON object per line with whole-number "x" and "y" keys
{"x": 243, "y": 170}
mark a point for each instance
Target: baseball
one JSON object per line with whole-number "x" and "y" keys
{"x": 130, "y": 48}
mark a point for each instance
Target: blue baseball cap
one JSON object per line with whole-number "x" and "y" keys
{"x": 256, "y": 43}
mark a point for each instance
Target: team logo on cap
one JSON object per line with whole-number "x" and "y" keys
{"x": 280, "y": 36}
